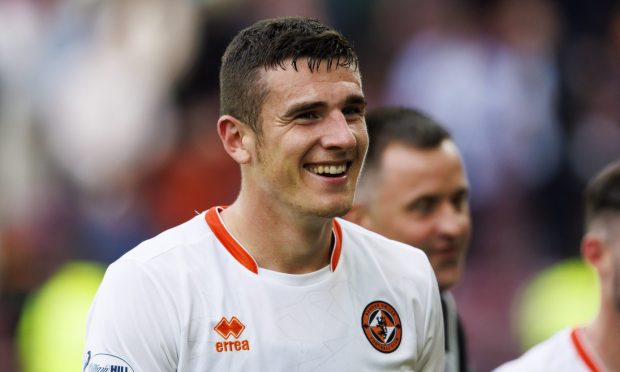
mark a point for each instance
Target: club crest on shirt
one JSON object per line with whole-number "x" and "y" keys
{"x": 382, "y": 326}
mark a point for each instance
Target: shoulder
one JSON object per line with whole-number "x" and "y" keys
{"x": 364, "y": 236}
{"x": 156, "y": 268}
{"x": 172, "y": 241}
{"x": 399, "y": 264}
{"x": 163, "y": 258}
{"x": 548, "y": 355}
{"x": 367, "y": 242}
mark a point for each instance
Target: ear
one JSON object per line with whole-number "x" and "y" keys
{"x": 237, "y": 137}
{"x": 595, "y": 252}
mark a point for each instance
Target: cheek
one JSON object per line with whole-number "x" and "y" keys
{"x": 411, "y": 230}
{"x": 467, "y": 228}
{"x": 361, "y": 136}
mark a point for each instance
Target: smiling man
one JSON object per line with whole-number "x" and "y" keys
{"x": 276, "y": 281}
{"x": 414, "y": 189}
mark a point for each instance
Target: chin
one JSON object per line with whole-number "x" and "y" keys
{"x": 331, "y": 213}
{"x": 447, "y": 281}
{"x": 332, "y": 210}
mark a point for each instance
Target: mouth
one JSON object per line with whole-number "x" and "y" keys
{"x": 449, "y": 252}
{"x": 329, "y": 170}
{"x": 445, "y": 253}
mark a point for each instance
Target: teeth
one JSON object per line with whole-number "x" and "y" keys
{"x": 328, "y": 169}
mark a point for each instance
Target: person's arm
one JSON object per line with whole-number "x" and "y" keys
{"x": 433, "y": 352}
{"x": 132, "y": 323}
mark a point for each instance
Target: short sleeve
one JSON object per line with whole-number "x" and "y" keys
{"x": 132, "y": 323}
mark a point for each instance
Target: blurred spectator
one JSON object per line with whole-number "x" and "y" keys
{"x": 489, "y": 74}
{"x": 592, "y": 346}
{"x": 593, "y": 89}
{"x": 494, "y": 91}
{"x": 85, "y": 113}
{"x": 562, "y": 295}
{"x": 51, "y": 330}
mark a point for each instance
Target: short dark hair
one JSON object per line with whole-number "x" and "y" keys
{"x": 387, "y": 125}
{"x": 602, "y": 194}
{"x": 269, "y": 44}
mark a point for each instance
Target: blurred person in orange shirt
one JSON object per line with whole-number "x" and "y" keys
{"x": 594, "y": 347}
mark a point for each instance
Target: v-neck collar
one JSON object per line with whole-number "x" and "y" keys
{"x": 234, "y": 247}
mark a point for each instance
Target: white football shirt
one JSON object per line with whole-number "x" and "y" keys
{"x": 565, "y": 351}
{"x": 193, "y": 299}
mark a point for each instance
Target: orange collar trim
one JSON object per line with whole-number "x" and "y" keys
{"x": 213, "y": 219}
{"x": 581, "y": 350}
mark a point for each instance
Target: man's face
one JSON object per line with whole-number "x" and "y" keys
{"x": 421, "y": 198}
{"x": 313, "y": 140}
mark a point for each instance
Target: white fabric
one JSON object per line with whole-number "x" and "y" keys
{"x": 158, "y": 305}
{"x": 556, "y": 354}
{"x": 452, "y": 340}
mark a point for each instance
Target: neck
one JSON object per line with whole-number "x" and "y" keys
{"x": 280, "y": 240}
{"x": 604, "y": 336}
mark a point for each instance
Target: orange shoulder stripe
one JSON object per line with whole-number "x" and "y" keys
{"x": 337, "y": 245}
{"x": 581, "y": 350}
{"x": 232, "y": 246}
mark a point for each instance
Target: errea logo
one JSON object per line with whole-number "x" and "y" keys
{"x": 226, "y": 328}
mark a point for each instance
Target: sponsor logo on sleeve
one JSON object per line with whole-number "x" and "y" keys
{"x": 105, "y": 363}
{"x": 226, "y": 328}
{"x": 382, "y": 326}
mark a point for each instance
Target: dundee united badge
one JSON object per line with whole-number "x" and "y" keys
{"x": 382, "y": 327}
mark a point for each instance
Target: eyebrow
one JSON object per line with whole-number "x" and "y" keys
{"x": 355, "y": 99}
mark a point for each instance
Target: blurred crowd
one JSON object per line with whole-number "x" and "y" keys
{"x": 108, "y": 112}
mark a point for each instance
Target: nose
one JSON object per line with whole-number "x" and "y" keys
{"x": 338, "y": 134}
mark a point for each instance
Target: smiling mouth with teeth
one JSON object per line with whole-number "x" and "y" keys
{"x": 328, "y": 170}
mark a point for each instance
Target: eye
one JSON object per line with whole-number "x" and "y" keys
{"x": 307, "y": 116}
{"x": 423, "y": 207}
{"x": 353, "y": 112}
{"x": 460, "y": 200}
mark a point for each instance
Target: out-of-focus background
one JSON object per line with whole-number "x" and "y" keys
{"x": 107, "y": 137}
